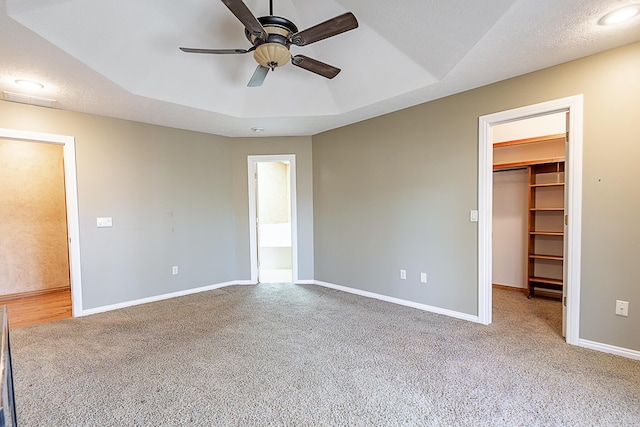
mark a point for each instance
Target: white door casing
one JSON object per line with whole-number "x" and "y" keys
{"x": 573, "y": 177}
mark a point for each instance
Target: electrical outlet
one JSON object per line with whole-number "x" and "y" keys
{"x": 174, "y": 270}
{"x": 423, "y": 277}
{"x": 622, "y": 308}
{"x": 403, "y": 274}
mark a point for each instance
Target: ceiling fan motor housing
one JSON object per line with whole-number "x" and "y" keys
{"x": 273, "y": 52}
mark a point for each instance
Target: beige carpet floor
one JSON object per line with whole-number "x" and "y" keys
{"x": 302, "y": 355}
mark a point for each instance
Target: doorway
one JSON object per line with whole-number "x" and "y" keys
{"x": 33, "y": 225}
{"x": 573, "y": 175}
{"x": 528, "y": 241}
{"x": 70, "y": 202}
{"x": 272, "y": 204}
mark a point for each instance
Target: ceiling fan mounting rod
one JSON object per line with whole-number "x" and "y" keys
{"x": 271, "y": 7}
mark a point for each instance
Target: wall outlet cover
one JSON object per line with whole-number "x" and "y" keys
{"x": 622, "y": 308}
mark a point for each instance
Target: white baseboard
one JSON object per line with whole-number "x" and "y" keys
{"x": 155, "y": 298}
{"x": 424, "y": 307}
{"x": 612, "y": 349}
{"x": 305, "y": 282}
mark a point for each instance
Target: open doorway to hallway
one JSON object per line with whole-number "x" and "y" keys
{"x": 72, "y": 223}
{"x": 34, "y": 272}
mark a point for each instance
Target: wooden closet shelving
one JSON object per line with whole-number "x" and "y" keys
{"x": 545, "y": 226}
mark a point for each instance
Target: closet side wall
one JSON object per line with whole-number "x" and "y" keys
{"x": 510, "y": 204}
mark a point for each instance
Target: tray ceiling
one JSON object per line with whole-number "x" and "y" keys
{"x": 121, "y": 59}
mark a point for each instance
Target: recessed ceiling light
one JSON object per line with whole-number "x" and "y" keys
{"x": 29, "y": 84}
{"x": 257, "y": 129}
{"x": 621, "y": 15}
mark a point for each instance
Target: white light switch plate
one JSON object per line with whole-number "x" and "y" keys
{"x": 473, "y": 215}
{"x": 104, "y": 222}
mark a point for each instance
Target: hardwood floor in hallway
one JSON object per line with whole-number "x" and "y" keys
{"x": 33, "y": 310}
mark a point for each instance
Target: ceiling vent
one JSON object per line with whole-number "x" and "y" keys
{"x": 28, "y": 99}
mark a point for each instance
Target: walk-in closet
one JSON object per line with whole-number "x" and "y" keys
{"x": 529, "y": 205}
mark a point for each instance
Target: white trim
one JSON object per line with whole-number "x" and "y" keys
{"x": 253, "y": 238}
{"x": 606, "y": 348}
{"x": 399, "y": 301}
{"x": 253, "y": 244}
{"x": 485, "y": 213}
{"x": 156, "y": 298}
{"x": 573, "y": 176}
{"x": 243, "y": 282}
{"x": 574, "y": 105}
{"x": 71, "y": 195}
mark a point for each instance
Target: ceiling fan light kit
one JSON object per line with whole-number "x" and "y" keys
{"x": 272, "y": 37}
{"x": 271, "y": 55}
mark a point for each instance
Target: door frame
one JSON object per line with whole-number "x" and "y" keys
{"x": 573, "y": 177}
{"x": 253, "y": 198}
{"x": 71, "y": 196}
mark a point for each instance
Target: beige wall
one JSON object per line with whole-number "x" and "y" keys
{"x": 371, "y": 223}
{"x": 168, "y": 191}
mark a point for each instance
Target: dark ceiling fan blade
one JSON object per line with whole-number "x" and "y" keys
{"x": 248, "y": 19}
{"x": 215, "y": 51}
{"x": 315, "y": 66}
{"x": 258, "y": 76}
{"x": 326, "y": 29}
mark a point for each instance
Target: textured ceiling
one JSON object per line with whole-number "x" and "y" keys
{"x": 120, "y": 58}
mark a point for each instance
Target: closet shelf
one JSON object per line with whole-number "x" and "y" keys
{"x": 548, "y": 257}
{"x": 547, "y": 233}
{"x": 545, "y": 220}
{"x": 551, "y": 184}
{"x": 525, "y": 164}
{"x": 547, "y": 281}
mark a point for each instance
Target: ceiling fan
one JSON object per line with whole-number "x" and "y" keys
{"x": 271, "y": 37}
